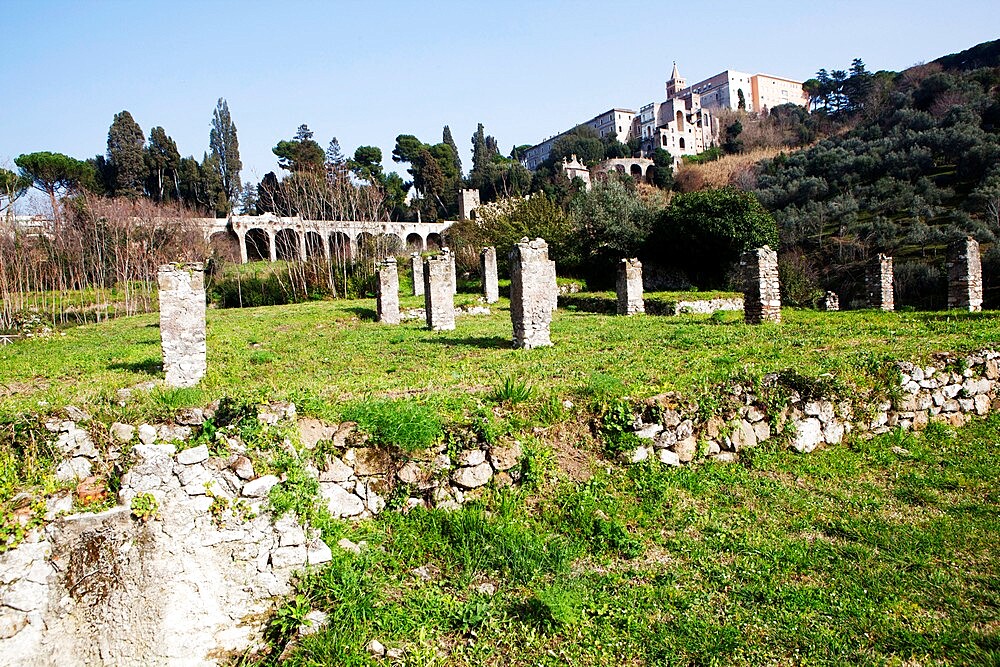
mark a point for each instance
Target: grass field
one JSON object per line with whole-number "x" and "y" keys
{"x": 876, "y": 552}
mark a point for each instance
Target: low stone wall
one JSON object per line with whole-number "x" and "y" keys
{"x": 607, "y": 304}
{"x": 950, "y": 390}
{"x": 195, "y": 581}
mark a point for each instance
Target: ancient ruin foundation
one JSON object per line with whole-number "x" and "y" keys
{"x": 761, "y": 292}
{"x": 531, "y": 293}
{"x": 878, "y": 280}
{"x": 439, "y": 292}
{"x": 417, "y": 264}
{"x": 488, "y": 271}
{"x": 182, "y": 322}
{"x": 831, "y": 302}
{"x": 387, "y": 296}
{"x": 965, "y": 276}
{"x": 454, "y": 271}
{"x": 630, "y": 287}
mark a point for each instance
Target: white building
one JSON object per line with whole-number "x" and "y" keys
{"x": 616, "y": 122}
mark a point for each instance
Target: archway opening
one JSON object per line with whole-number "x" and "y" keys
{"x": 635, "y": 171}
{"x": 340, "y": 247}
{"x": 225, "y": 246}
{"x": 649, "y": 174}
{"x": 680, "y": 121}
{"x": 258, "y": 245}
{"x": 286, "y": 244}
{"x": 433, "y": 241}
{"x": 414, "y": 242}
{"x": 314, "y": 245}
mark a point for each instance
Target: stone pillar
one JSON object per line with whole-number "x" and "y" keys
{"x": 531, "y": 293}
{"x": 302, "y": 245}
{"x": 272, "y": 246}
{"x": 387, "y": 292}
{"x": 878, "y": 279}
{"x": 454, "y": 273}
{"x": 553, "y": 287}
{"x": 965, "y": 276}
{"x": 831, "y": 302}
{"x": 761, "y": 290}
{"x": 182, "y": 322}
{"x": 630, "y": 287}
{"x": 243, "y": 247}
{"x": 439, "y": 294}
{"x": 417, "y": 264}
{"x": 488, "y": 271}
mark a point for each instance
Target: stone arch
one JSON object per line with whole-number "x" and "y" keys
{"x": 340, "y": 247}
{"x": 635, "y": 171}
{"x": 649, "y": 174}
{"x": 680, "y": 143}
{"x": 434, "y": 241}
{"x": 620, "y": 168}
{"x": 367, "y": 245}
{"x": 414, "y": 242}
{"x": 225, "y": 246}
{"x": 286, "y": 244}
{"x": 314, "y": 244}
{"x": 680, "y": 121}
{"x": 389, "y": 244}
{"x": 258, "y": 245}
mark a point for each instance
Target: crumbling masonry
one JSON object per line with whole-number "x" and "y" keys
{"x": 965, "y": 276}
{"x": 488, "y": 271}
{"x": 182, "y": 322}
{"x": 439, "y": 292}
{"x": 387, "y": 297}
{"x": 417, "y": 264}
{"x": 531, "y": 293}
{"x": 761, "y": 292}
{"x": 630, "y": 287}
{"x": 878, "y": 280}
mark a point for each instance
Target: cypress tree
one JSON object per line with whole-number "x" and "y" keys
{"x": 225, "y": 149}
{"x": 126, "y": 156}
{"x": 450, "y": 140}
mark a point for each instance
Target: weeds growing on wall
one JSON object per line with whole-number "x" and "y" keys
{"x": 404, "y": 423}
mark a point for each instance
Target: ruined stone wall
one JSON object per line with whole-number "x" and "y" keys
{"x": 629, "y": 287}
{"x": 533, "y": 293}
{"x": 182, "y": 322}
{"x": 488, "y": 272}
{"x": 762, "y": 295}
{"x": 965, "y": 276}
{"x": 878, "y": 280}
{"x": 417, "y": 265}
{"x": 387, "y": 292}
{"x": 439, "y": 292}
{"x": 831, "y": 302}
{"x": 194, "y": 583}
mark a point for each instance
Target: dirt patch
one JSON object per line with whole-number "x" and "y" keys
{"x": 22, "y": 388}
{"x": 574, "y": 447}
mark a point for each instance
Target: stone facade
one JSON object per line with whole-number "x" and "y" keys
{"x": 762, "y": 295}
{"x": 831, "y": 302}
{"x": 417, "y": 266}
{"x": 488, "y": 271}
{"x": 533, "y": 293}
{"x": 182, "y": 322}
{"x": 468, "y": 202}
{"x": 387, "y": 292}
{"x": 878, "y": 281}
{"x": 965, "y": 276}
{"x": 630, "y": 287}
{"x": 439, "y": 292}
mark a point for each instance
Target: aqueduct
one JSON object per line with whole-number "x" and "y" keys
{"x": 270, "y": 237}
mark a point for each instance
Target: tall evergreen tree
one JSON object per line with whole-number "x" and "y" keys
{"x": 162, "y": 163}
{"x": 450, "y": 140}
{"x": 226, "y": 149}
{"x": 126, "y": 155}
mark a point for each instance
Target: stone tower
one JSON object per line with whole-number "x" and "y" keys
{"x": 676, "y": 83}
{"x": 468, "y": 202}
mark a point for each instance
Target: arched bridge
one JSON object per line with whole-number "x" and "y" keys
{"x": 271, "y": 237}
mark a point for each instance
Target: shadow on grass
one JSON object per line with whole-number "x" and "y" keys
{"x": 150, "y": 366}
{"x": 363, "y": 313}
{"x": 953, "y": 315}
{"x": 485, "y": 342}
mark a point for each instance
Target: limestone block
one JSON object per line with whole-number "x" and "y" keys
{"x": 341, "y": 503}
{"x": 488, "y": 272}
{"x": 474, "y": 476}
{"x": 505, "y": 458}
{"x": 629, "y": 287}
{"x": 182, "y": 322}
{"x": 439, "y": 293}
{"x": 762, "y": 292}
{"x": 260, "y": 487}
{"x": 808, "y": 435}
{"x": 532, "y": 293}
{"x": 417, "y": 265}
{"x": 193, "y": 455}
{"x": 387, "y": 292}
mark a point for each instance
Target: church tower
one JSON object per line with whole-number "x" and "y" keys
{"x": 676, "y": 84}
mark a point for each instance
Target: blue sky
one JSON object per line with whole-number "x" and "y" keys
{"x": 367, "y": 71}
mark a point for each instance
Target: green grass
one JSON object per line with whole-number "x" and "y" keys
{"x": 332, "y": 352}
{"x": 851, "y": 555}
